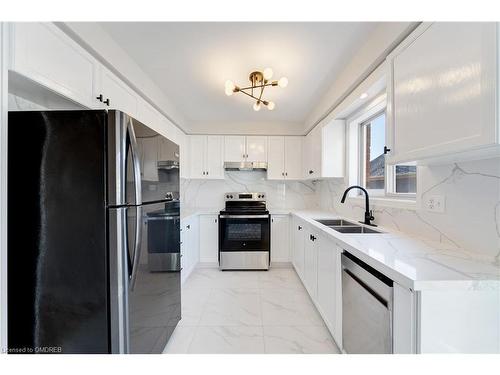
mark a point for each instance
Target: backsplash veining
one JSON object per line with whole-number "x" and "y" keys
{"x": 280, "y": 195}
{"x": 472, "y": 208}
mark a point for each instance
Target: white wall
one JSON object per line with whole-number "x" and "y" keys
{"x": 472, "y": 214}
{"x": 280, "y": 195}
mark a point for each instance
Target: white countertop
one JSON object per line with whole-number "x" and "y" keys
{"x": 410, "y": 261}
{"x": 413, "y": 262}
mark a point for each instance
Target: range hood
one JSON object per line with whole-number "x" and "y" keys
{"x": 245, "y": 166}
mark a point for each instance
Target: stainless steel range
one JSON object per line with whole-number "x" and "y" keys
{"x": 244, "y": 232}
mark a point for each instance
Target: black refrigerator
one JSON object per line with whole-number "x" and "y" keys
{"x": 93, "y": 234}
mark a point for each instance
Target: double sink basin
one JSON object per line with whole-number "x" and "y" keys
{"x": 344, "y": 226}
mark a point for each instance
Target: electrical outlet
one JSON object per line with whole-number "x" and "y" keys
{"x": 435, "y": 203}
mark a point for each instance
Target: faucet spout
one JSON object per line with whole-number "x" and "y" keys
{"x": 368, "y": 213}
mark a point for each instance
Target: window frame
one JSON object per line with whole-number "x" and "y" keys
{"x": 355, "y": 152}
{"x": 362, "y": 158}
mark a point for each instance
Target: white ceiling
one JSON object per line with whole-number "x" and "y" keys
{"x": 191, "y": 61}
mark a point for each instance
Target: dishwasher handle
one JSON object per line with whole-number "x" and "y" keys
{"x": 363, "y": 285}
{"x": 370, "y": 279}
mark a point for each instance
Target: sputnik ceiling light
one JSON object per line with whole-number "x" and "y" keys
{"x": 259, "y": 81}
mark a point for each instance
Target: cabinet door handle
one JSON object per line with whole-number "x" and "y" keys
{"x": 106, "y": 102}
{"x": 311, "y": 172}
{"x": 99, "y": 98}
{"x": 386, "y": 150}
{"x": 207, "y": 173}
{"x": 188, "y": 226}
{"x": 286, "y": 173}
{"x": 299, "y": 227}
{"x": 215, "y": 220}
{"x": 282, "y": 173}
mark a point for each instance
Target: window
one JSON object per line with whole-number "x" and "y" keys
{"x": 367, "y": 164}
{"x": 405, "y": 179}
{"x": 372, "y": 159}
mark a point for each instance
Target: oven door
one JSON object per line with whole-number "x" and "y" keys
{"x": 244, "y": 233}
{"x": 244, "y": 242}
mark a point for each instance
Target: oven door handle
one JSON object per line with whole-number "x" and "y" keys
{"x": 243, "y": 216}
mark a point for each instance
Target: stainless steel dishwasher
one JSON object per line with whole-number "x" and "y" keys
{"x": 367, "y": 297}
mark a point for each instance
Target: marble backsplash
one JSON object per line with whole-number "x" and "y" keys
{"x": 472, "y": 206}
{"x": 280, "y": 195}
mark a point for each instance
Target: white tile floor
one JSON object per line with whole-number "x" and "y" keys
{"x": 248, "y": 312}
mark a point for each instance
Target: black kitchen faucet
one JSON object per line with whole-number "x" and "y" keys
{"x": 368, "y": 213}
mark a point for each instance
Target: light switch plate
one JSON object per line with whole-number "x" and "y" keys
{"x": 435, "y": 203}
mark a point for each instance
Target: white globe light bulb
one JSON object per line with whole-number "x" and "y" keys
{"x": 268, "y": 73}
{"x": 256, "y": 107}
{"x": 271, "y": 106}
{"x": 230, "y": 85}
{"x": 283, "y": 82}
{"x": 229, "y": 91}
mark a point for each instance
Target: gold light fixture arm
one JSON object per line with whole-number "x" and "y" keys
{"x": 257, "y": 81}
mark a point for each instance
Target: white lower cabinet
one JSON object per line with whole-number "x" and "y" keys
{"x": 297, "y": 238}
{"x": 189, "y": 246}
{"x": 311, "y": 263}
{"x": 280, "y": 238}
{"x": 316, "y": 259}
{"x": 329, "y": 295}
{"x": 209, "y": 238}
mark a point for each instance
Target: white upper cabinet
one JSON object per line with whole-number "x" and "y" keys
{"x": 197, "y": 156}
{"x": 115, "y": 94}
{"x": 215, "y": 157}
{"x": 276, "y": 158}
{"x": 256, "y": 148}
{"x": 150, "y": 117}
{"x": 442, "y": 91}
{"x": 206, "y": 156}
{"x": 245, "y": 148}
{"x": 284, "y": 160}
{"x": 324, "y": 151}
{"x": 234, "y": 148}
{"x": 44, "y": 54}
{"x": 293, "y": 158}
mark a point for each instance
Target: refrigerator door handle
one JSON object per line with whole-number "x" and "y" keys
{"x": 137, "y": 247}
{"x": 137, "y": 165}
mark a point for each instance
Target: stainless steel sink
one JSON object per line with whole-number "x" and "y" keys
{"x": 354, "y": 229}
{"x": 335, "y": 222}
